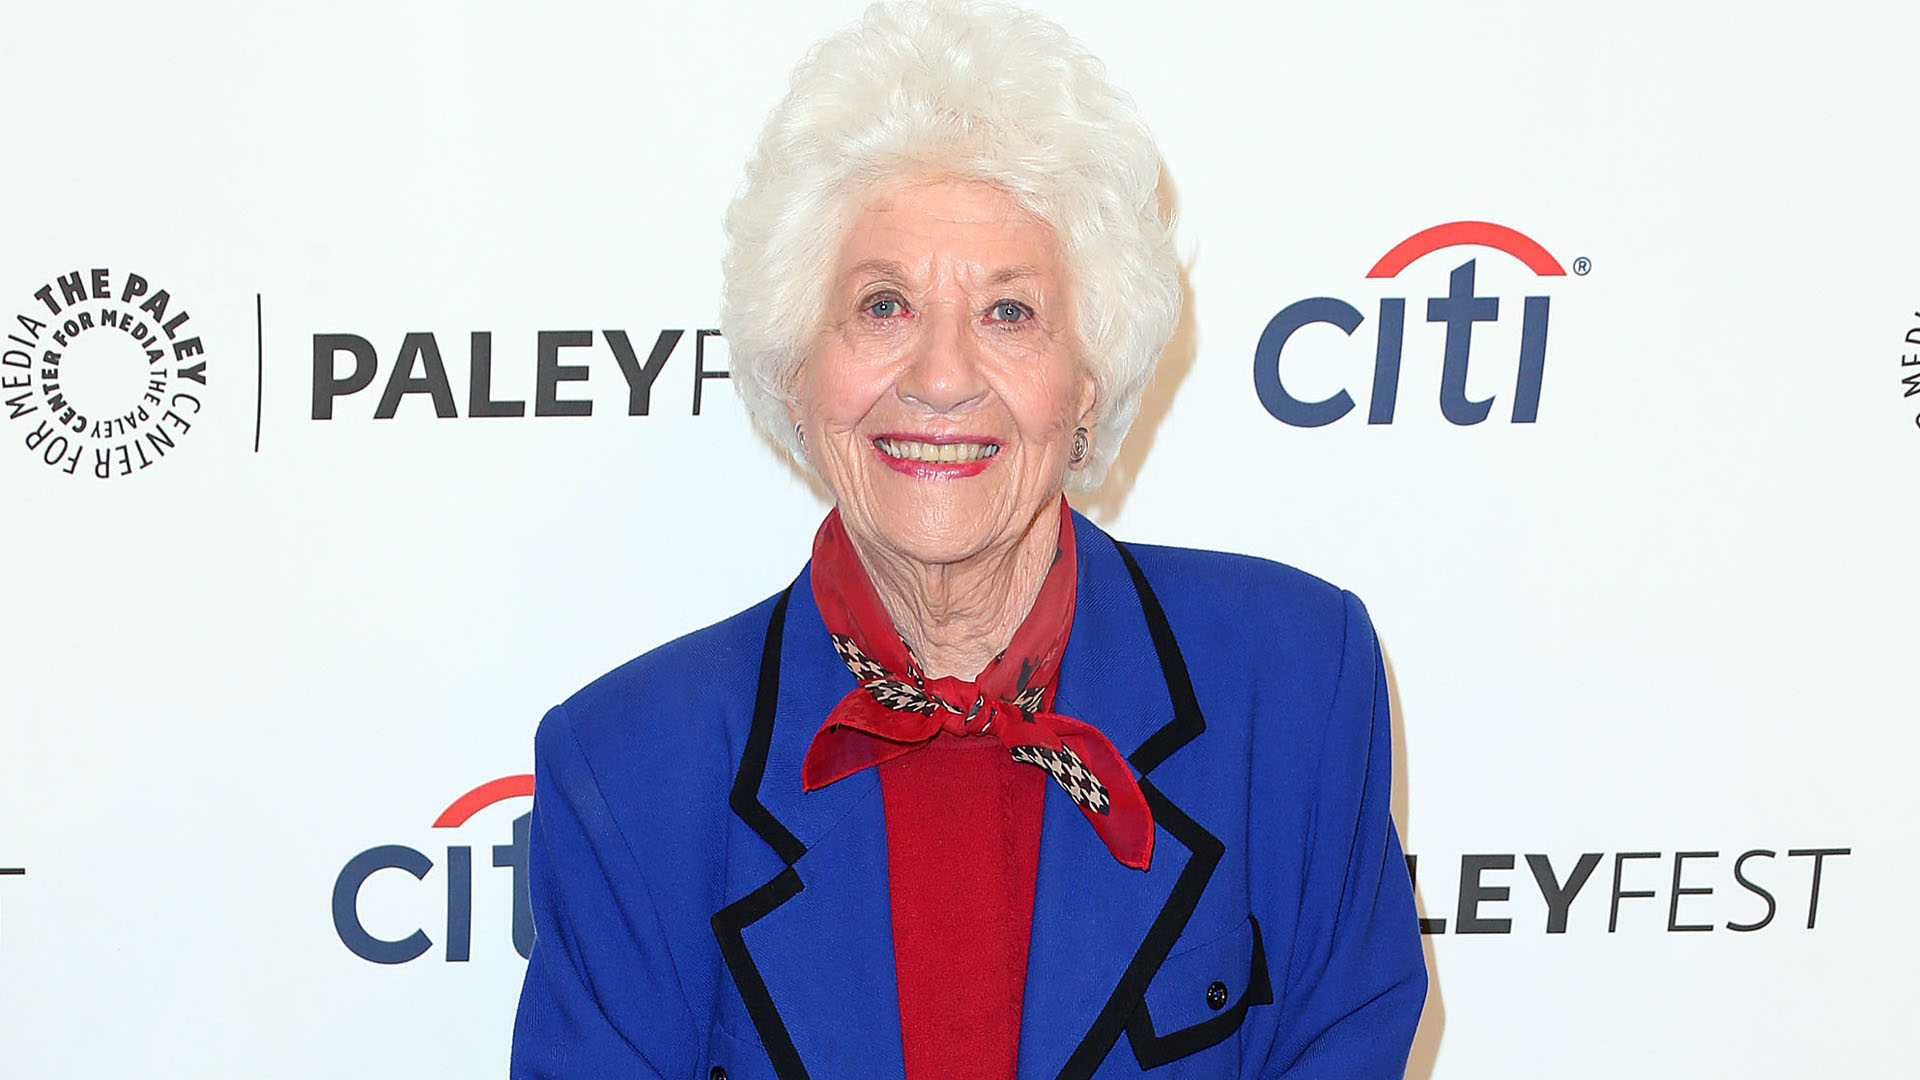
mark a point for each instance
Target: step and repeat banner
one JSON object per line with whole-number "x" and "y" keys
{"x": 361, "y": 398}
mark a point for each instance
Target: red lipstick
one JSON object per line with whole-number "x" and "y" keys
{"x": 910, "y": 453}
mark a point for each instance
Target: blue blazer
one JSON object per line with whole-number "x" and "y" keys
{"x": 699, "y": 916}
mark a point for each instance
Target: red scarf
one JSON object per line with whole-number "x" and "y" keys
{"x": 897, "y": 710}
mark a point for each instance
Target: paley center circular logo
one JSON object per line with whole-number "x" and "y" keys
{"x": 99, "y": 373}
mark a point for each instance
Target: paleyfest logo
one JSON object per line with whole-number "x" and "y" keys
{"x": 1287, "y": 387}
{"x": 100, "y": 374}
{"x": 413, "y": 943}
{"x": 1697, "y": 891}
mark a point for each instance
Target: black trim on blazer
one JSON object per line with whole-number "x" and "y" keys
{"x": 1130, "y": 995}
{"x": 1187, "y": 721}
{"x": 745, "y": 797}
{"x": 1153, "y": 1050}
{"x": 727, "y": 925}
{"x": 729, "y": 922}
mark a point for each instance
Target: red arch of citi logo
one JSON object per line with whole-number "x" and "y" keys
{"x": 1459, "y": 310}
{"x": 493, "y": 791}
{"x": 459, "y": 882}
{"x": 1463, "y": 233}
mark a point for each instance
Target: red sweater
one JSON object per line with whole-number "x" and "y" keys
{"x": 963, "y": 844}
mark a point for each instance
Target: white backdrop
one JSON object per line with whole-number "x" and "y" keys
{"x": 1671, "y": 616}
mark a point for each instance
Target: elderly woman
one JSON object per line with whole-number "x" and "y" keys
{"x": 984, "y": 793}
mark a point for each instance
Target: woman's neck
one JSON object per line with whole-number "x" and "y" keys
{"x": 958, "y": 616}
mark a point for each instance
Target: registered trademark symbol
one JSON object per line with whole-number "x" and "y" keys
{"x": 1582, "y": 266}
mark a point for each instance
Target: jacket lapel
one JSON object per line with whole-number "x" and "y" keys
{"x": 1100, "y": 929}
{"x": 811, "y": 950}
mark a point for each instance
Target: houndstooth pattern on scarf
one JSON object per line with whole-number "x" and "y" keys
{"x": 1063, "y": 764}
{"x": 1069, "y": 772}
{"x": 865, "y": 669}
{"x": 905, "y": 697}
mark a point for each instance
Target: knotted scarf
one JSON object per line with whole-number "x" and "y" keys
{"x": 896, "y": 709}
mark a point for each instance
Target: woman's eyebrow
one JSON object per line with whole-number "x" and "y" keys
{"x": 880, "y": 268}
{"x": 1017, "y": 272}
{"x": 891, "y": 270}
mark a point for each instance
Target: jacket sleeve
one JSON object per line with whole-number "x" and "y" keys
{"x": 1357, "y": 978}
{"x": 602, "y": 999}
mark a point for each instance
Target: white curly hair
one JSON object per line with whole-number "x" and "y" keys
{"x": 971, "y": 91}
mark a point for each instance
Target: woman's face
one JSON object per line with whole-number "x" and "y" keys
{"x": 941, "y": 393}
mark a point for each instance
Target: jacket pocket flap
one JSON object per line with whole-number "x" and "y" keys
{"x": 1199, "y": 997}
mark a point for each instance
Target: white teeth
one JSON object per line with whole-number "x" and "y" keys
{"x": 944, "y": 453}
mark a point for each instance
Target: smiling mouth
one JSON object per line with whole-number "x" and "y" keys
{"x": 940, "y": 453}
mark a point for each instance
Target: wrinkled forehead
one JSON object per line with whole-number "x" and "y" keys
{"x": 965, "y": 232}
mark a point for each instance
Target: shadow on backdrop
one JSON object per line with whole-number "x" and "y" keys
{"x": 1433, "y": 1021}
{"x": 1103, "y": 503}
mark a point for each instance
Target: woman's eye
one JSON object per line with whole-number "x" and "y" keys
{"x": 1008, "y": 311}
{"x": 883, "y": 307}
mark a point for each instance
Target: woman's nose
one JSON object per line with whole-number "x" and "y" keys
{"x": 944, "y": 375}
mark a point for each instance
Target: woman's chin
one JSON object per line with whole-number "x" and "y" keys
{"x": 944, "y": 531}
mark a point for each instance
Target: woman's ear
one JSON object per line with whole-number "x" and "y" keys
{"x": 1087, "y": 403}
{"x": 1080, "y": 441}
{"x": 799, "y": 427}
{"x": 794, "y": 414}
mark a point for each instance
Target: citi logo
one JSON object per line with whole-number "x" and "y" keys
{"x": 353, "y": 878}
{"x": 1459, "y": 311}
